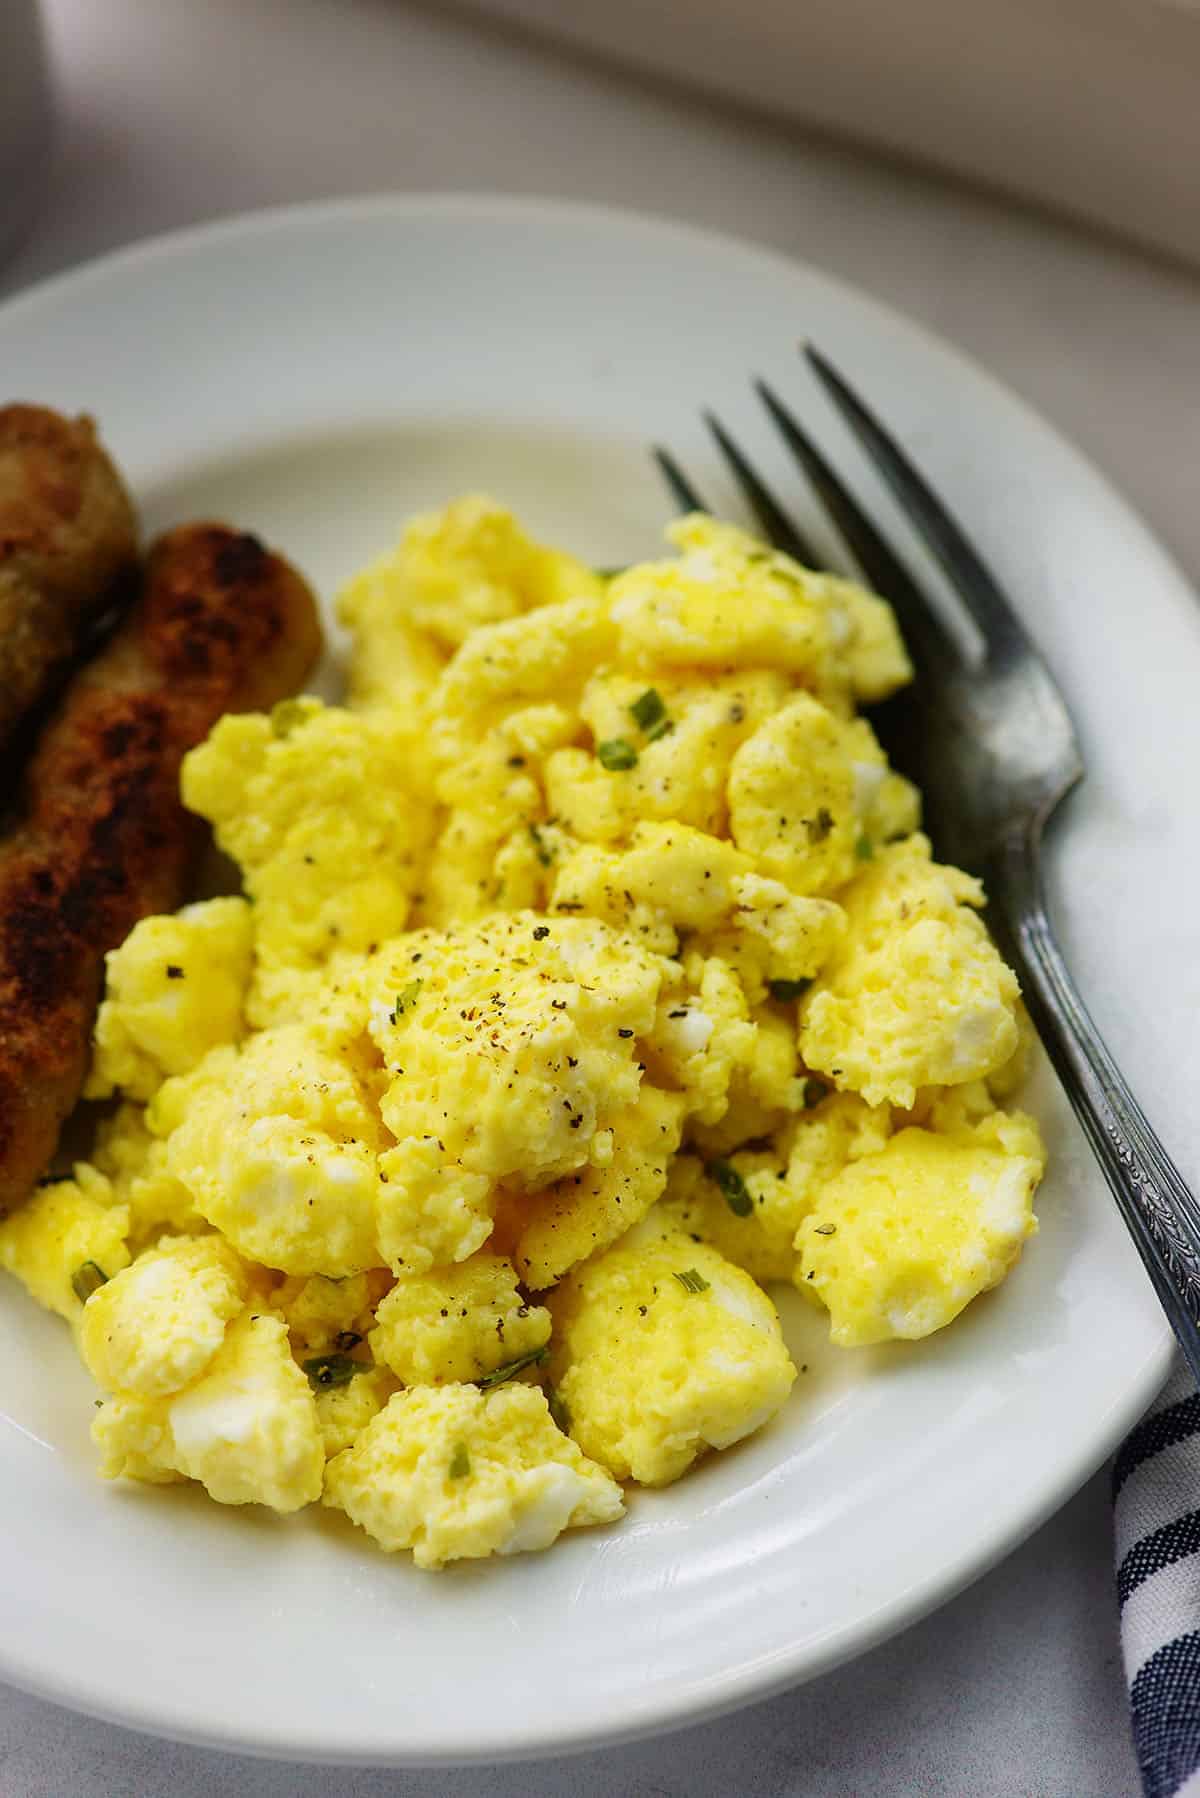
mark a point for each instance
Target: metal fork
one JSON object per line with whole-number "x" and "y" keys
{"x": 989, "y": 740}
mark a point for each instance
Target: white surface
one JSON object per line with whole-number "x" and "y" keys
{"x": 1015, "y": 1688}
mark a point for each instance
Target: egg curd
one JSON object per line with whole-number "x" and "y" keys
{"x": 590, "y": 976}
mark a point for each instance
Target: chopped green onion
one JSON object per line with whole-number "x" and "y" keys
{"x": 539, "y": 846}
{"x": 649, "y": 709}
{"x": 407, "y": 999}
{"x": 460, "y": 1462}
{"x": 616, "y": 754}
{"x": 288, "y": 714}
{"x": 325, "y": 1371}
{"x": 499, "y": 1374}
{"x": 786, "y": 990}
{"x": 864, "y": 849}
{"x": 737, "y": 1193}
{"x": 824, "y": 1229}
{"x": 88, "y": 1278}
{"x": 691, "y": 1281}
{"x": 559, "y": 1410}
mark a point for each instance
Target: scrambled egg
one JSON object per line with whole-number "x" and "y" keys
{"x": 900, "y": 1241}
{"x": 663, "y": 1349}
{"x": 246, "y": 1429}
{"x": 590, "y": 974}
{"x": 917, "y": 994}
{"x": 453, "y": 1472}
{"x": 458, "y": 1324}
{"x": 155, "y": 1326}
{"x": 174, "y": 989}
{"x": 70, "y": 1234}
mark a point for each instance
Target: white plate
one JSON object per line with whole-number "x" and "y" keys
{"x": 317, "y": 374}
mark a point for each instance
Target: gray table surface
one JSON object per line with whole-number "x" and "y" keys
{"x": 176, "y": 112}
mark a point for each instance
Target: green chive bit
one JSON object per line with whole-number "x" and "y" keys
{"x": 864, "y": 849}
{"x": 407, "y": 999}
{"x": 460, "y": 1462}
{"x": 325, "y": 1371}
{"x": 539, "y": 846}
{"x": 737, "y": 1193}
{"x": 691, "y": 1281}
{"x": 616, "y": 754}
{"x": 559, "y": 1410}
{"x": 288, "y": 713}
{"x": 649, "y": 709}
{"x": 499, "y": 1374}
{"x": 88, "y": 1278}
{"x": 786, "y": 990}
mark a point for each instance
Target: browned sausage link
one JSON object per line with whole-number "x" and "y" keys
{"x": 103, "y": 840}
{"x": 68, "y": 544}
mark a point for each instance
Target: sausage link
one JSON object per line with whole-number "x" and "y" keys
{"x": 102, "y": 838}
{"x": 68, "y": 548}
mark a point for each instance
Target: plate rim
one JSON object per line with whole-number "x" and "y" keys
{"x": 713, "y": 1696}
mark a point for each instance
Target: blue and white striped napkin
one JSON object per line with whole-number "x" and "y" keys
{"x": 1156, "y": 1501}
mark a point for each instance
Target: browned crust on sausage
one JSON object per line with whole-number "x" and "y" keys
{"x": 103, "y": 840}
{"x": 68, "y": 547}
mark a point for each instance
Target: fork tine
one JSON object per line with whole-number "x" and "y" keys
{"x": 923, "y": 630}
{"x": 973, "y": 580}
{"x": 682, "y": 491}
{"x": 777, "y": 527}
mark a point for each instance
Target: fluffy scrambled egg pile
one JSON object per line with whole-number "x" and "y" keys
{"x": 590, "y": 974}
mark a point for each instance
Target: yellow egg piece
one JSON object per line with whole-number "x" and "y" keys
{"x": 277, "y": 1147}
{"x": 530, "y": 1027}
{"x": 584, "y": 1211}
{"x": 750, "y": 1203}
{"x": 320, "y": 809}
{"x": 246, "y": 1429}
{"x": 324, "y": 1313}
{"x": 900, "y": 1242}
{"x": 792, "y": 798}
{"x": 344, "y": 1410}
{"x": 456, "y": 1324}
{"x": 870, "y": 648}
{"x": 723, "y": 602}
{"x": 155, "y": 1325}
{"x": 66, "y": 1239}
{"x": 134, "y": 1161}
{"x": 663, "y": 1349}
{"x": 453, "y": 1473}
{"x": 173, "y": 990}
{"x": 917, "y": 994}
{"x": 468, "y": 565}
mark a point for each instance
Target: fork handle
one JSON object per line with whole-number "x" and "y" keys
{"x": 1156, "y": 1203}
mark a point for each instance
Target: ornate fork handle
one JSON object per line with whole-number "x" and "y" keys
{"x": 1160, "y": 1210}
